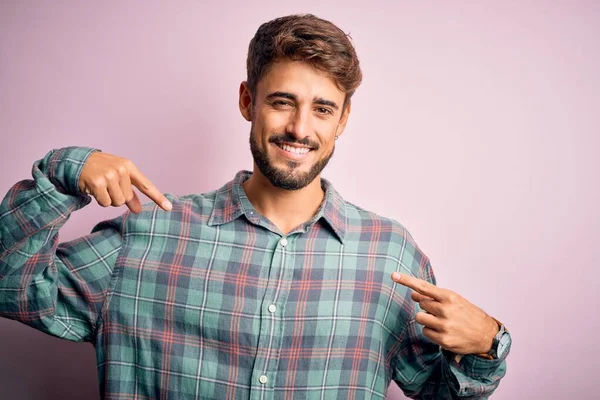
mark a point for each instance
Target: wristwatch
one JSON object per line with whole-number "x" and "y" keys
{"x": 500, "y": 344}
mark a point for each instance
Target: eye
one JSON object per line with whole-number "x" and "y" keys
{"x": 323, "y": 110}
{"x": 281, "y": 103}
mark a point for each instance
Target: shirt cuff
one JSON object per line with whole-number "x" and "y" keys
{"x": 470, "y": 376}
{"x": 474, "y": 366}
{"x": 63, "y": 167}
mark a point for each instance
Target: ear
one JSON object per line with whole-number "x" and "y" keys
{"x": 245, "y": 101}
{"x": 343, "y": 120}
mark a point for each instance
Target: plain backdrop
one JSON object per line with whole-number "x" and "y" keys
{"x": 476, "y": 127}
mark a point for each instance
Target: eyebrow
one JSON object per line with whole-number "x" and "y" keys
{"x": 291, "y": 96}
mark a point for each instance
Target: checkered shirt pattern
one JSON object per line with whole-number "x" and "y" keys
{"x": 212, "y": 301}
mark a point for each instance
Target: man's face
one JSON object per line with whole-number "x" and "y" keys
{"x": 296, "y": 114}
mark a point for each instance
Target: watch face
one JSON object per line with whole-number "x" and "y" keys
{"x": 503, "y": 344}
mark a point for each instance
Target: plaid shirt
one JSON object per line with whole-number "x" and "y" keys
{"x": 210, "y": 300}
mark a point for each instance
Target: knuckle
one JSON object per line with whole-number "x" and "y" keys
{"x": 97, "y": 183}
{"x": 441, "y": 311}
{"x": 450, "y": 326}
{"x": 127, "y": 163}
{"x": 444, "y": 326}
{"x": 110, "y": 175}
{"x": 122, "y": 170}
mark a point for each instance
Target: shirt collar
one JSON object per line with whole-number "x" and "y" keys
{"x": 231, "y": 202}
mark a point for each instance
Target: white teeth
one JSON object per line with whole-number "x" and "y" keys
{"x": 296, "y": 150}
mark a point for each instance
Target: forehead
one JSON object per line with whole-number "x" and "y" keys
{"x": 300, "y": 79}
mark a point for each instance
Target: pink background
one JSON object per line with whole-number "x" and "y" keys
{"x": 476, "y": 127}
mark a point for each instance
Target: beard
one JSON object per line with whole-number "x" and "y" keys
{"x": 290, "y": 178}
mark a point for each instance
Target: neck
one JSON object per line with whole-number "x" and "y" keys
{"x": 287, "y": 209}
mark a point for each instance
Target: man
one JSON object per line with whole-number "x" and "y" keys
{"x": 271, "y": 287}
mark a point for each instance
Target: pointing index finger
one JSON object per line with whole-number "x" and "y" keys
{"x": 140, "y": 181}
{"x": 419, "y": 285}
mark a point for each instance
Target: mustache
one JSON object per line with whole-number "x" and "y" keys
{"x": 290, "y": 139}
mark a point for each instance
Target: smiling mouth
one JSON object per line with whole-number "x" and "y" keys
{"x": 293, "y": 149}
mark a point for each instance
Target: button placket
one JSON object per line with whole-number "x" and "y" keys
{"x": 270, "y": 338}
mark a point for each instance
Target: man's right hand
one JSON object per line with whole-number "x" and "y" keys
{"x": 109, "y": 180}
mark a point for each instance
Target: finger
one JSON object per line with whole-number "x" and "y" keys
{"x": 420, "y": 285}
{"x": 102, "y": 197}
{"x": 433, "y": 335}
{"x": 148, "y": 188}
{"x": 428, "y": 320}
{"x": 432, "y": 307}
{"x": 416, "y": 296}
{"x": 126, "y": 189}
{"x": 115, "y": 193}
{"x": 131, "y": 198}
{"x": 135, "y": 205}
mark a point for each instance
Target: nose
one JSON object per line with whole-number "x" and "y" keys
{"x": 299, "y": 124}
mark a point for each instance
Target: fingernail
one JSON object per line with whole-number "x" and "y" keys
{"x": 396, "y": 275}
{"x": 167, "y": 205}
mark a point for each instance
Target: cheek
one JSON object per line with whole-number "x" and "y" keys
{"x": 260, "y": 129}
{"x": 325, "y": 149}
{"x": 327, "y": 137}
{"x": 273, "y": 120}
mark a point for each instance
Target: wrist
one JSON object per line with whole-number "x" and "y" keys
{"x": 492, "y": 329}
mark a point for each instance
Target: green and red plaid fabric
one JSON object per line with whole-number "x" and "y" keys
{"x": 211, "y": 301}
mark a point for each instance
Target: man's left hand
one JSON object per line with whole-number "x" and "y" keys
{"x": 450, "y": 320}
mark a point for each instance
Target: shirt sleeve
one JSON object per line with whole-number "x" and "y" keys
{"x": 424, "y": 371}
{"x": 57, "y": 288}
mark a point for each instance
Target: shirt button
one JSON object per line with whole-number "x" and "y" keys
{"x": 272, "y": 308}
{"x": 283, "y": 242}
{"x": 263, "y": 379}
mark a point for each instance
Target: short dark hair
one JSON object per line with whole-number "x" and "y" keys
{"x": 309, "y": 39}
